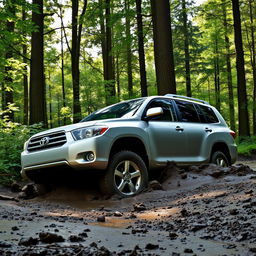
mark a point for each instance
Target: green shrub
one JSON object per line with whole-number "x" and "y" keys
{"x": 12, "y": 138}
{"x": 246, "y": 146}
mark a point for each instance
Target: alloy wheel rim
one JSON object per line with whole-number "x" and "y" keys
{"x": 127, "y": 177}
{"x": 221, "y": 162}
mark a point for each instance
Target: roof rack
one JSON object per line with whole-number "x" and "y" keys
{"x": 187, "y": 98}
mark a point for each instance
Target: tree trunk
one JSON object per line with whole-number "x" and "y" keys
{"x": 75, "y": 54}
{"x": 253, "y": 63}
{"x": 25, "y": 77}
{"x": 8, "y": 80}
{"x": 229, "y": 70}
{"x": 163, "y": 48}
{"x": 217, "y": 75}
{"x": 128, "y": 47}
{"x": 244, "y": 129}
{"x": 143, "y": 74}
{"x": 110, "y": 73}
{"x": 186, "y": 48}
{"x": 37, "y": 82}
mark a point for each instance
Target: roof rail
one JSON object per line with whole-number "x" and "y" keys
{"x": 187, "y": 98}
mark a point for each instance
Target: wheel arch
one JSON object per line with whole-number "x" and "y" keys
{"x": 221, "y": 146}
{"x": 130, "y": 143}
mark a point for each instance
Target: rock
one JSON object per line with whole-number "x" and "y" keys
{"x": 5, "y": 244}
{"x": 242, "y": 237}
{"x": 28, "y": 241}
{"x": 49, "y": 238}
{"x": 233, "y": 211}
{"x": 118, "y": 214}
{"x": 15, "y": 228}
{"x": 173, "y": 235}
{"x": 184, "y": 212}
{"x": 252, "y": 249}
{"x": 217, "y": 173}
{"x": 197, "y": 226}
{"x": 28, "y": 192}
{"x": 187, "y": 250}
{"x": 101, "y": 218}
{"x": 150, "y": 246}
{"x": 139, "y": 207}
{"x": 184, "y": 176}
{"x": 15, "y": 187}
{"x": 155, "y": 185}
{"x": 75, "y": 239}
{"x": 103, "y": 251}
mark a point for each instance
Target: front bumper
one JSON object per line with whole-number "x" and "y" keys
{"x": 71, "y": 154}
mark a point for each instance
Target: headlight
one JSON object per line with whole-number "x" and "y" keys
{"x": 89, "y": 132}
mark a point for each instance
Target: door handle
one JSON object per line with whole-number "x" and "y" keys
{"x": 208, "y": 130}
{"x": 179, "y": 129}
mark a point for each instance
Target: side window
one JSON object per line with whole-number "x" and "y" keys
{"x": 187, "y": 111}
{"x": 168, "y": 110}
{"x": 207, "y": 114}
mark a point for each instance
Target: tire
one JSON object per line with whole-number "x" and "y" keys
{"x": 220, "y": 159}
{"x": 126, "y": 175}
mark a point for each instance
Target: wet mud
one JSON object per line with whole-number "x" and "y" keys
{"x": 199, "y": 211}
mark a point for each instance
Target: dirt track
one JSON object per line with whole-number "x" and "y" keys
{"x": 200, "y": 212}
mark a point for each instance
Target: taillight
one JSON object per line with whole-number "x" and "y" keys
{"x": 233, "y": 134}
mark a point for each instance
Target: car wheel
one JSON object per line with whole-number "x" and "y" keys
{"x": 220, "y": 159}
{"x": 126, "y": 175}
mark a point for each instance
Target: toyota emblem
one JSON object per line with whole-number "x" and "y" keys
{"x": 44, "y": 141}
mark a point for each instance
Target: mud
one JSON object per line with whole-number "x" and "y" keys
{"x": 195, "y": 214}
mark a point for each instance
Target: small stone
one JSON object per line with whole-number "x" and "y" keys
{"x": 233, "y": 211}
{"x": 15, "y": 228}
{"x": 101, "y": 219}
{"x": 187, "y": 250}
{"x": 118, "y": 214}
{"x": 49, "y": 238}
{"x": 75, "y": 239}
{"x": 139, "y": 207}
{"x": 150, "y": 246}
{"x": 28, "y": 241}
{"x": 184, "y": 176}
{"x": 155, "y": 185}
{"x": 173, "y": 236}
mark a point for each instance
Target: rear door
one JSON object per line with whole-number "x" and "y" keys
{"x": 166, "y": 135}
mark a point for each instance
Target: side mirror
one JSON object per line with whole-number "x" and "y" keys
{"x": 151, "y": 112}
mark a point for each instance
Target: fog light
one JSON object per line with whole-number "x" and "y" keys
{"x": 89, "y": 156}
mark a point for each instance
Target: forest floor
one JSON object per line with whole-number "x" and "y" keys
{"x": 203, "y": 211}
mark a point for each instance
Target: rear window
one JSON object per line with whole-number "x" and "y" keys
{"x": 207, "y": 114}
{"x": 187, "y": 111}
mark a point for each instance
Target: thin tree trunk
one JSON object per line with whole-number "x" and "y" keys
{"x": 118, "y": 78}
{"x": 163, "y": 47}
{"x": 186, "y": 48}
{"x": 217, "y": 75}
{"x": 229, "y": 70}
{"x": 244, "y": 129}
{"x": 253, "y": 64}
{"x": 143, "y": 74}
{"x": 50, "y": 101}
{"x": 37, "y": 82}
{"x": 8, "y": 80}
{"x": 110, "y": 73}
{"x": 128, "y": 47}
{"x": 25, "y": 77}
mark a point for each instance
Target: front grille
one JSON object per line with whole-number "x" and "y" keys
{"x": 45, "y": 141}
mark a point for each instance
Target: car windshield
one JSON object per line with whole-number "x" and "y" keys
{"x": 120, "y": 110}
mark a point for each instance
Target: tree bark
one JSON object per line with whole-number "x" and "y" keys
{"x": 143, "y": 74}
{"x": 37, "y": 81}
{"x": 110, "y": 72}
{"x": 244, "y": 129}
{"x": 128, "y": 47}
{"x": 228, "y": 69}
{"x": 217, "y": 74}
{"x": 186, "y": 48}
{"x": 163, "y": 47}
{"x": 253, "y": 63}
{"x": 25, "y": 77}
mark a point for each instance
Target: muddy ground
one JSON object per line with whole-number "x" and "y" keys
{"x": 200, "y": 211}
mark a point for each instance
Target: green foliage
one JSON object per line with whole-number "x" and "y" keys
{"x": 12, "y": 137}
{"x": 246, "y": 145}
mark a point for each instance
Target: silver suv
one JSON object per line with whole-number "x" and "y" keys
{"x": 129, "y": 139}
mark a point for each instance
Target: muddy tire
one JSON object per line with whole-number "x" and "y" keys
{"x": 126, "y": 175}
{"x": 220, "y": 159}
